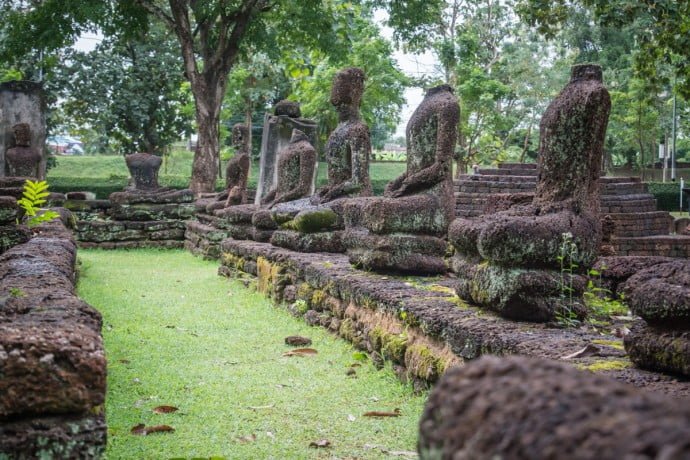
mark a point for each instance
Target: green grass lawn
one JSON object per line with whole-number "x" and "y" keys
{"x": 106, "y": 174}
{"x": 178, "y": 334}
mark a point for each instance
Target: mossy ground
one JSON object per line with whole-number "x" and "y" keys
{"x": 177, "y": 334}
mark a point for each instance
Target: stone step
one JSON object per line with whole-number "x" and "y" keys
{"x": 507, "y": 172}
{"x": 662, "y": 245}
{"x": 641, "y": 224}
{"x": 523, "y": 166}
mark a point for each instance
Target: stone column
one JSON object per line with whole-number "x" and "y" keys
{"x": 22, "y": 102}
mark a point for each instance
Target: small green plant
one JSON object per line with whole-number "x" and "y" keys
{"x": 33, "y": 196}
{"x": 598, "y": 299}
{"x": 567, "y": 317}
{"x": 16, "y": 292}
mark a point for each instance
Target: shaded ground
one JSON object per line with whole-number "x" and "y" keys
{"x": 177, "y": 334}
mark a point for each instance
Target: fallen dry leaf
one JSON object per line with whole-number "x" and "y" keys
{"x": 165, "y": 409}
{"x": 123, "y": 361}
{"x": 301, "y": 352}
{"x": 143, "y": 430}
{"x": 320, "y": 444}
{"x": 589, "y": 350}
{"x": 247, "y": 438}
{"x": 377, "y": 413}
{"x": 297, "y": 341}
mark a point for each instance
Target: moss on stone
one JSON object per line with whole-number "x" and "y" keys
{"x": 347, "y": 329}
{"x": 270, "y": 276}
{"x": 312, "y": 221}
{"x": 606, "y": 365}
{"x": 394, "y": 347}
{"x": 421, "y": 362}
{"x": 304, "y": 292}
{"x": 617, "y": 344}
{"x": 318, "y": 300}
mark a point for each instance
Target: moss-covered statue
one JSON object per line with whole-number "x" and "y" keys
{"x": 403, "y": 231}
{"x": 315, "y": 225}
{"x": 22, "y": 160}
{"x": 236, "y": 172}
{"x": 512, "y": 261}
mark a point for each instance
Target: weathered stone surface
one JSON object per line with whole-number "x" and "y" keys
{"x": 615, "y": 270}
{"x": 22, "y": 160}
{"x": 518, "y": 293}
{"x": 162, "y": 244}
{"x": 681, "y": 226}
{"x": 12, "y": 235}
{"x": 52, "y": 362}
{"x": 309, "y": 242}
{"x": 143, "y": 167}
{"x": 8, "y": 210}
{"x": 527, "y": 408}
{"x": 661, "y": 294}
{"x": 149, "y": 211}
{"x": 241, "y": 214}
{"x": 295, "y": 171}
{"x": 524, "y": 237}
{"x": 111, "y": 231}
{"x": 64, "y": 437}
{"x": 659, "y": 349}
{"x": 160, "y": 196}
{"x": 263, "y": 219}
{"x": 80, "y": 196}
{"x": 396, "y": 252}
{"x": 288, "y": 108}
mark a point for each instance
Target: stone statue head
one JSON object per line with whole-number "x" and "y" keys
{"x": 289, "y": 108}
{"x": 240, "y": 136}
{"x": 586, "y": 72}
{"x": 348, "y": 87}
{"x": 22, "y": 134}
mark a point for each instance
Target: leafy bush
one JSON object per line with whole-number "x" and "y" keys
{"x": 33, "y": 196}
{"x": 667, "y": 195}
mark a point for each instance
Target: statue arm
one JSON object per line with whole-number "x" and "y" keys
{"x": 360, "y": 152}
{"x": 393, "y": 186}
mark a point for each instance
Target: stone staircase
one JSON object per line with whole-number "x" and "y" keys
{"x": 641, "y": 229}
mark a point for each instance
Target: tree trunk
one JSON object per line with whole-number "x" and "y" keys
{"x": 205, "y": 164}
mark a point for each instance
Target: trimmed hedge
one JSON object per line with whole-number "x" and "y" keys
{"x": 667, "y": 195}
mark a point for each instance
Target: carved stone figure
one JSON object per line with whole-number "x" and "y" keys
{"x": 315, "y": 225}
{"x": 402, "y": 231}
{"x": 527, "y": 246}
{"x": 143, "y": 167}
{"x": 22, "y": 160}
{"x": 348, "y": 148}
{"x": 277, "y": 133}
{"x": 236, "y": 173}
{"x": 295, "y": 168}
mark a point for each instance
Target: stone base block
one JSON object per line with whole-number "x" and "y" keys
{"x": 160, "y": 196}
{"x": 161, "y": 244}
{"x": 520, "y": 294}
{"x": 12, "y": 235}
{"x": 659, "y": 349}
{"x": 152, "y": 211}
{"x": 241, "y": 214}
{"x": 309, "y": 242}
{"x": 66, "y": 437}
{"x": 8, "y": 210}
{"x": 102, "y": 231}
{"x": 398, "y": 252}
{"x": 519, "y": 408}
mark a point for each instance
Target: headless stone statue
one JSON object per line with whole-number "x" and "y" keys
{"x": 22, "y": 160}
{"x": 295, "y": 168}
{"x": 564, "y": 215}
{"x": 348, "y": 148}
{"x": 143, "y": 167}
{"x": 237, "y": 171}
{"x": 314, "y": 225}
{"x": 400, "y": 231}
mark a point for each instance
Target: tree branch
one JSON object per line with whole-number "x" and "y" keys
{"x": 157, "y": 11}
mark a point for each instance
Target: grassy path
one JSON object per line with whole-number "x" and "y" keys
{"x": 177, "y": 334}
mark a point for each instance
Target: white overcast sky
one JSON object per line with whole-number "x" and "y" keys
{"x": 411, "y": 64}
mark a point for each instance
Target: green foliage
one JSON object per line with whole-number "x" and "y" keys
{"x": 128, "y": 90}
{"x": 33, "y": 196}
{"x": 667, "y": 195}
{"x": 567, "y": 260}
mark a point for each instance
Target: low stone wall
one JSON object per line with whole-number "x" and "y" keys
{"x": 203, "y": 236}
{"x": 52, "y": 362}
{"x": 107, "y": 225}
{"x": 419, "y": 324}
